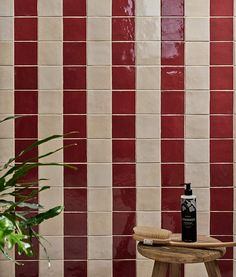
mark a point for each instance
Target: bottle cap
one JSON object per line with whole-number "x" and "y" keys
{"x": 188, "y": 190}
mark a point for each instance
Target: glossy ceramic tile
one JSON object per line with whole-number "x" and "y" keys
{"x": 6, "y": 78}
{"x": 221, "y": 78}
{"x": 172, "y": 29}
{"x": 72, "y": 8}
{"x": 172, "y": 102}
{"x": 172, "y": 53}
{"x": 172, "y": 174}
{"x": 197, "y": 8}
{"x": 221, "y": 151}
{"x": 6, "y": 24}
{"x": 74, "y": 29}
{"x": 222, "y": 8}
{"x": 221, "y": 175}
{"x": 99, "y": 175}
{"x": 49, "y": 8}
{"x": 148, "y": 174}
{"x": 148, "y": 150}
{"x": 172, "y": 126}
{"x": 123, "y": 151}
{"x": 172, "y": 151}
{"x": 172, "y": 8}
{"x": 221, "y": 53}
{"x": 123, "y": 8}
{"x": 221, "y": 102}
{"x": 192, "y": 173}
{"x": 197, "y": 29}
{"x": 221, "y": 29}
{"x": 50, "y": 53}
{"x": 197, "y": 126}
{"x": 197, "y": 53}
{"x": 197, "y": 150}
{"x": 7, "y": 48}
{"x": 123, "y": 29}
{"x": 147, "y": 7}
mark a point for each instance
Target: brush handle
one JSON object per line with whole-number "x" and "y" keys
{"x": 202, "y": 244}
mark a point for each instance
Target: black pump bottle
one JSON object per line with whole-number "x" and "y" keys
{"x": 189, "y": 215}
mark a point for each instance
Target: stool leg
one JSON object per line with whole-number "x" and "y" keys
{"x": 213, "y": 269}
{"x": 175, "y": 270}
{"x": 159, "y": 269}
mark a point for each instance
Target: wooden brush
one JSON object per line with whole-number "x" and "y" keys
{"x": 152, "y": 235}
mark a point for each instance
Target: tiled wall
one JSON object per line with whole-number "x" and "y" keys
{"x": 149, "y": 85}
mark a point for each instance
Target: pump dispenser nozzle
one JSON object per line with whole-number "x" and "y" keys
{"x": 188, "y": 190}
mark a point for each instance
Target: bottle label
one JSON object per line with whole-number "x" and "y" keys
{"x": 189, "y": 221}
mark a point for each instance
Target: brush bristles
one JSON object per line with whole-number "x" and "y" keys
{"x": 152, "y": 232}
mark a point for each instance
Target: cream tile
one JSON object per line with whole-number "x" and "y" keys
{"x": 152, "y": 24}
{"x": 96, "y": 197}
{"x": 148, "y": 126}
{"x": 54, "y": 248}
{"x": 53, "y": 227}
{"x": 197, "y": 8}
{"x": 6, "y": 8}
{"x": 6, "y": 102}
{"x": 198, "y": 174}
{"x": 50, "y": 53}
{"x": 50, "y": 78}
{"x": 6, "y": 50}
{"x": 6, "y": 27}
{"x": 148, "y": 174}
{"x": 203, "y": 226}
{"x": 197, "y": 77}
{"x": 197, "y": 53}
{"x": 197, "y": 126}
{"x": 99, "y": 126}
{"x": 99, "y": 29}
{"x": 195, "y": 270}
{"x": 49, "y": 125}
{"x": 148, "y": 78}
{"x": 49, "y": 8}
{"x": 144, "y": 268}
{"x": 99, "y": 224}
{"x": 203, "y": 199}
{"x": 99, "y": 77}
{"x": 50, "y": 102}
{"x": 52, "y": 146}
{"x": 148, "y": 7}
{"x": 99, "y": 53}
{"x": 99, "y": 8}
{"x": 99, "y": 102}
{"x": 6, "y": 77}
{"x": 99, "y": 175}
{"x": 148, "y": 102}
{"x": 148, "y": 53}
{"x": 7, "y": 128}
{"x": 148, "y": 150}
{"x": 51, "y": 198}
{"x": 197, "y": 102}
{"x": 99, "y": 151}
{"x": 197, "y": 29}
{"x": 99, "y": 268}
{"x": 6, "y": 149}
{"x": 99, "y": 248}
{"x": 234, "y": 223}
{"x": 196, "y": 150}
{"x": 149, "y": 218}
{"x": 53, "y": 174}
{"x": 55, "y": 270}
{"x": 148, "y": 199}
{"x": 7, "y": 268}
{"x": 50, "y": 28}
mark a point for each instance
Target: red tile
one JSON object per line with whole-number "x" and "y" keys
{"x": 123, "y": 53}
{"x": 75, "y": 268}
{"x": 123, "y": 223}
{"x": 171, "y": 221}
{"x": 221, "y": 175}
{"x": 124, "y": 199}
{"x": 226, "y": 267}
{"x": 172, "y": 78}
{"x": 172, "y": 151}
{"x": 172, "y": 7}
{"x": 75, "y": 200}
{"x": 74, "y": 77}
{"x": 222, "y": 7}
{"x": 124, "y": 248}
{"x": 172, "y": 174}
{"x": 123, "y": 126}
{"x": 221, "y": 29}
{"x": 74, "y": 29}
{"x": 123, "y": 8}
{"x": 221, "y": 102}
{"x": 75, "y": 248}
{"x": 74, "y": 123}
{"x": 172, "y": 126}
{"x": 21, "y": 145}
{"x": 172, "y": 102}
{"x": 229, "y": 250}
{"x": 74, "y": 102}
{"x": 75, "y": 177}
{"x": 26, "y": 102}
{"x": 26, "y": 127}
{"x": 76, "y": 153}
{"x": 26, "y": 29}
{"x": 31, "y": 176}
{"x": 222, "y": 199}
{"x": 221, "y": 151}
{"x": 25, "y": 7}
{"x": 216, "y": 124}
{"x": 172, "y": 29}
{"x": 172, "y": 53}
{"x": 221, "y": 53}
{"x": 221, "y": 78}
{"x": 123, "y": 77}
{"x": 221, "y": 223}
{"x": 123, "y": 29}
{"x": 74, "y": 53}
{"x": 123, "y": 102}
{"x": 124, "y": 268}
{"x": 26, "y": 77}
{"x": 123, "y": 175}
{"x": 74, "y": 8}
{"x": 75, "y": 224}
{"x": 171, "y": 199}
{"x": 26, "y": 53}
{"x": 30, "y": 268}
{"x": 123, "y": 150}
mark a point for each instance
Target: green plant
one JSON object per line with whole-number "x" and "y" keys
{"x": 19, "y": 214}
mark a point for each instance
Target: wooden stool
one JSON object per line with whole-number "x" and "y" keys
{"x": 173, "y": 257}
